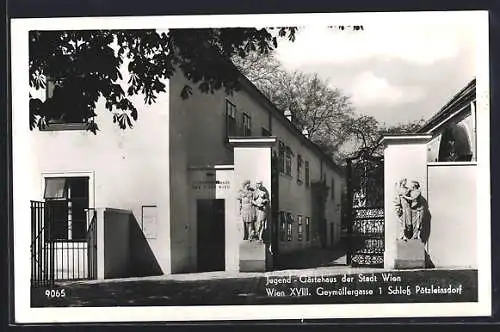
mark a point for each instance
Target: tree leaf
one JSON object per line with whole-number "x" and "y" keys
{"x": 128, "y": 121}
{"x": 133, "y": 113}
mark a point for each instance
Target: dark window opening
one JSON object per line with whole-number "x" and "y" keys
{"x": 299, "y": 228}
{"x": 281, "y": 157}
{"x": 64, "y": 111}
{"x": 455, "y": 144}
{"x": 247, "y": 125}
{"x": 288, "y": 161}
{"x": 308, "y": 228}
{"x": 308, "y": 182}
{"x": 282, "y": 226}
{"x": 231, "y": 126}
{"x": 289, "y": 232}
{"x": 66, "y": 204}
{"x": 332, "y": 188}
{"x": 299, "y": 168}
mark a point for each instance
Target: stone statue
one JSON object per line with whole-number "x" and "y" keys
{"x": 414, "y": 198}
{"x": 261, "y": 203}
{"x": 247, "y": 210}
{"x": 403, "y": 208}
{"x": 409, "y": 208}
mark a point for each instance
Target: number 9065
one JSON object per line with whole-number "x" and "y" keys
{"x": 55, "y": 293}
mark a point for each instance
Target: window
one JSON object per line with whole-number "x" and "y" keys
{"x": 60, "y": 119}
{"x": 285, "y": 159}
{"x": 288, "y": 161}
{"x": 299, "y": 228}
{"x": 247, "y": 125}
{"x": 265, "y": 132}
{"x": 299, "y": 168}
{"x": 66, "y": 203}
{"x": 283, "y": 224}
{"x": 332, "y": 189}
{"x": 289, "y": 233}
{"x": 230, "y": 119}
{"x": 307, "y": 174}
{"x": 308, "y": 229}
{"x": 281, "y": 157}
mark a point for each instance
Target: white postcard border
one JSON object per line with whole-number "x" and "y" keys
{"x": 22, "y": 160}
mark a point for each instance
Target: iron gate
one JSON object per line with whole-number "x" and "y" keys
{"x": 365, "y": 181}
{"x": 55, "y": 259}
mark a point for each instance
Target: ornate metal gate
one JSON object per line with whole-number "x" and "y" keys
{"x": 365, "y": 210}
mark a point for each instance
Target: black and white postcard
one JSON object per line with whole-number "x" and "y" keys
{"x": 236, "y": 167}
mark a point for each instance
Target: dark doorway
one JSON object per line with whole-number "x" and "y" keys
{"x": 211, "y": 237}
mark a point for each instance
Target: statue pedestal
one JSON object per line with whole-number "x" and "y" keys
{"x": 253, "y": 256}
{"x": 409, "y": 254}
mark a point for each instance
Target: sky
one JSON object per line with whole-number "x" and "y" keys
{"x": 395, "y": 72}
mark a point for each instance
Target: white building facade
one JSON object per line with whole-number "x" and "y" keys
{"x": 164, "y": 192}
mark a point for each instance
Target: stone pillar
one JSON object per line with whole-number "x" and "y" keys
{"x": 252, "y": 162}
{"x": 405, "y": 157}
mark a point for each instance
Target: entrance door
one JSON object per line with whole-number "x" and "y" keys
{"x": 211, "y": 237}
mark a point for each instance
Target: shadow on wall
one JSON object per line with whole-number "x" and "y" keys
{"x": 143, "y": 261}
{"x": 425, "y": 231}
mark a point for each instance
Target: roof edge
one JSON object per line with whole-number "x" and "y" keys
{"x": 460, "y": 97}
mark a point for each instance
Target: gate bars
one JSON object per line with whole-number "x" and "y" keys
{"x": 365, "y": 211}
{"x": 56, "y": 259}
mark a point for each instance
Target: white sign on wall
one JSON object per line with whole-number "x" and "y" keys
{"x": 211, "y": 183}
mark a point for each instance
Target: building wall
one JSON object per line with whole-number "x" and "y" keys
{"x": 208, "y": 147}
{"x": 453, "y": 209}
{"x": 181, "y": 151}
{"x": 130, "y": 167}
{"x": 295, "y": 197}
{"x": 199, "y": 125}
{"x": 333, "y": 206}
